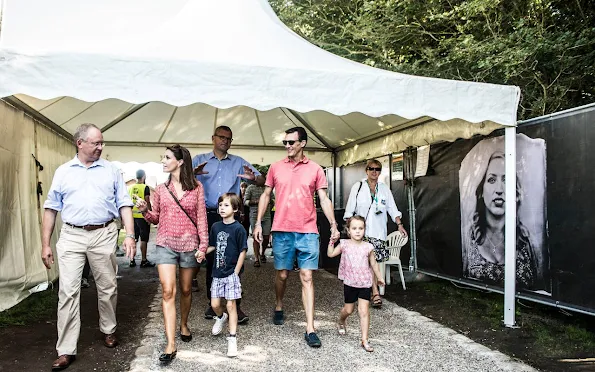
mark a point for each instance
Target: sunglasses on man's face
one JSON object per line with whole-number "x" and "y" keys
{"x": 371, "y": 169}
{"x": 290, "y": 142}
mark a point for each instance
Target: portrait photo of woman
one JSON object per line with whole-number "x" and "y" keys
{"x": 482, "y": 179}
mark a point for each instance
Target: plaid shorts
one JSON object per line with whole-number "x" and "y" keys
{"x": 229, "y": 287}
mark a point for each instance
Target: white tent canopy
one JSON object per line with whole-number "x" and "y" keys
{"x": 152, "y": 73}
{"x": 173, "y": 71}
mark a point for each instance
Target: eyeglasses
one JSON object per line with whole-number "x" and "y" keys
{"x": 371, "y": 169}
{"x": 95, "y": 144}
{"x": 222, "y": 138}
{"x": 290, "y": 142}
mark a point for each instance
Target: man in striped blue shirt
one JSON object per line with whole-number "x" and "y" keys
{"x": 220, "y": 173}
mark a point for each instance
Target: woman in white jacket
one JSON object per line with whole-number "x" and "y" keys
{"x": 374, "y": 201}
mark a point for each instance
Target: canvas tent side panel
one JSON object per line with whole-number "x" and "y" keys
{"x": 20, "y": 239}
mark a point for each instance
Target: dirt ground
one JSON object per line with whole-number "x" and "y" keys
{"x": 32, "y": 347}
{"x": 547, "y": 339}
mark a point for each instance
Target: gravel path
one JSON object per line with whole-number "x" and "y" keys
{"x": 403, "y": 340}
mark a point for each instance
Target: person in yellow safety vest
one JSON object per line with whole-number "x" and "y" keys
{"x": 141, "y": 227}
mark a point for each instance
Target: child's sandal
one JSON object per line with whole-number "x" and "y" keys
{"x": 366, "y": 346}
{"x": 341, "y": 328}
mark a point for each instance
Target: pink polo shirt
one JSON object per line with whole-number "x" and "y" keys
{"x": 295, "y": 185}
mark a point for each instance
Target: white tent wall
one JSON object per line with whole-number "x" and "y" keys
{"x": 21, "y": 267}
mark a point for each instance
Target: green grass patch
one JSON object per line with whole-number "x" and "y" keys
{"x": 40, "y": 305}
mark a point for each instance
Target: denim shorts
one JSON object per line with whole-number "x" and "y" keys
{"x": 288, "y": 245}
{"x": 166, "y": 256}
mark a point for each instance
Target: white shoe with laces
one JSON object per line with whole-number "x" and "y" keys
{"x": 219, "y": 324}
{"x": 232, "y": 347}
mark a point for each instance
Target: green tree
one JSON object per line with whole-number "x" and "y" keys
{"x": 547, "y": 47}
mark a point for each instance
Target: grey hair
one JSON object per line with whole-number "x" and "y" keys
{"x": 81, "y": 132}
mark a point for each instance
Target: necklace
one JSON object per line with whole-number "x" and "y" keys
{"x": 494, "y": 246}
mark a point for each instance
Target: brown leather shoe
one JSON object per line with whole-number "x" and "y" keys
{"x": 110, "y": 340}
{"x": 63, "y": 362}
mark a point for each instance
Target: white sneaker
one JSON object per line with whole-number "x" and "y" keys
{"x": 232, "y": 347}
{"x": 219, "y": 324}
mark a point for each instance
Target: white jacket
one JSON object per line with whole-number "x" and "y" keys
{"x": 366, "y": 207}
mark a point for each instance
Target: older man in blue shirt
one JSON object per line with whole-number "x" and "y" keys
{"x": 89, "y": 192}
{"x": 219, "y": 173}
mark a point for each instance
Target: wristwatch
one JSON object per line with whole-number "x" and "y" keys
{"x": 131, "y": 236}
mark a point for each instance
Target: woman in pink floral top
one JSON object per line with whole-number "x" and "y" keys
{"x": 178, "y": 206}
{"x": 357, "y": 267}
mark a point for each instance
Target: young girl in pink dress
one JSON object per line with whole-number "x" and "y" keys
{"x": 357, "y": 267}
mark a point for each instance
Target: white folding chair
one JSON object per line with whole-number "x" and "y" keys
{"x": 395, "y": 241}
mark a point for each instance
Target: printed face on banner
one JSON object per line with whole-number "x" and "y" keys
{"x": 482, "y": 178}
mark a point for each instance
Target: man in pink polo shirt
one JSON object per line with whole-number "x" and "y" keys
{"x": 295, "y": 180}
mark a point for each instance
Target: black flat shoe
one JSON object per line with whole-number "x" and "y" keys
{"x": 167, "y": 358}
{"x": 186, "y": 338}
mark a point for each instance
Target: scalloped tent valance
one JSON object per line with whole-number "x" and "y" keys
{"x": 173, "y": 71}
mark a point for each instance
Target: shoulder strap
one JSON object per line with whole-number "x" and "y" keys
{"x": 356, "y": 195}
{"x": 180, "y": 205}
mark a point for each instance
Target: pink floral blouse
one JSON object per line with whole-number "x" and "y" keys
{"x": 176, "y": 231}
{"x": 354, "y": 268}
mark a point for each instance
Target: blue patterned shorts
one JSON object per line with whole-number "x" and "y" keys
{"x": 229, "y": 287}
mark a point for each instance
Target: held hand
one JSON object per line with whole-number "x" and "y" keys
{"x": 200, "y": 169}
{"x": 257, "y": 234}
{"x": 335, "y": 234}
{"x": 47, "y": 257}
{"x": 130, "y": 247}
{"x": 248, "y": 174}
{"x": 200, "y": 256}
{"x": 402, "y": 230}
{"x": 141, "y": 205}
{"x": 381, "y": 282}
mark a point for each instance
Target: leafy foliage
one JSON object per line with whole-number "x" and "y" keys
{"x": 547, "y": 47}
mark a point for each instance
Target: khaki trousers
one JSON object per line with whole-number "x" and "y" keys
{"x": 73, "y": 247}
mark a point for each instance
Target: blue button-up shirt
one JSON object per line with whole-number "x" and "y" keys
{"x": 88, "y": 196}
{"x": 222, "y": 176}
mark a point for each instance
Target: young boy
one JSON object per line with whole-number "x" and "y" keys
{"x": 230, "y": 241}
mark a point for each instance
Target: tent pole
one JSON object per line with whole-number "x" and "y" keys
{"x": 510, "y": 228}
{"x": 334, "y": 179}
{"x": 409, "y": 174}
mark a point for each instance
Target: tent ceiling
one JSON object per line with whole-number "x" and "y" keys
{"x": 173, "y": 72}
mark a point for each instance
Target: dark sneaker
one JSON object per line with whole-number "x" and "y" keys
{"x": 210, "y": 313}
{"x": 278, "y": 317}
{"x": 147, "y": 263}
{"x": 242, "y": 318}
{"x": 263, "y": 259}
{"x": 120, "y": 253}
{"x": 195, "y": 287}
{"x": 132, "y": 263}
{"x": 312, "y": 339}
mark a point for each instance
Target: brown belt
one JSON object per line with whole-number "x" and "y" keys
{"x": 90, "y": 227}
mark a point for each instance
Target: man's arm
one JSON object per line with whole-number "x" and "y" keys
{"x": 263, "y": 203}
{"x": 327, "y": 208}
{"x": 47, "y": 228}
